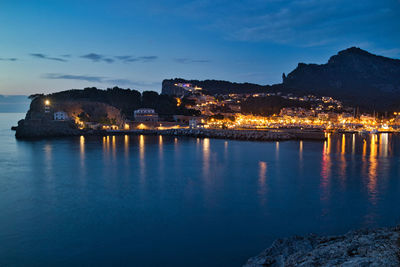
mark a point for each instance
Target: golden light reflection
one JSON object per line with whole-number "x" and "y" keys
{"x": 384, "y": 145}
{"x": 114, "y": 147}
{"x": 326, "y": 165}
{"x": 104, "y": 144}
{"x": 343, "y": 144}
{"x": 141, "y": 146}
{"x": 364, "y": 153}
{"x": 353, "y": 145}
{"x": 126, "y": 145}
{"x": 343, "y": 163}
{"x": 82, "y": 148}
{"x": 106, "y": 148}
{"x": 373, "y": 165}
{"x": 262, "y": 177}
{"x": 206, "y": 157}
{"x": 141, "y": 156}
{"x": 301, "y": 150}
{"x": 277, "y": 150}
{"x": 160, "y": 140}
{"x": 160, "y": 146}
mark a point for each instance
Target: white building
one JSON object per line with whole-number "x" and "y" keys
{"x": 145, "y": 114}
{"x": 60, "y": 116}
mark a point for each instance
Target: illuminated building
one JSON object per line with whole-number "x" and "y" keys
{"x": 145, "y": 114}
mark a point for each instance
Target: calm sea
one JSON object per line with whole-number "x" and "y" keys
{"x": 165, "y": 201}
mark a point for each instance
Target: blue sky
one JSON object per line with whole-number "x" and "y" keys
{"x": 48, "y": 46}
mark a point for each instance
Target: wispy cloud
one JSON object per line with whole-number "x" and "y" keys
{"x": 128, "y": 59}
{"x": 97, "y": 58}
{"x": 86, "y": 78}
{"x": 190, "y": 60}
{"x": 99, "y": 79}
{"x": 391, "y": 52}
{"x": 8, "y": 59}
{"x": 111, "y": 59}
{"x": 44, "y": 56}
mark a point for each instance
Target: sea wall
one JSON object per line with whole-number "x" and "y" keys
{"x": 377, "y": 247}
{"x": 48, "y": 128}
{"x": 255, "y": 135}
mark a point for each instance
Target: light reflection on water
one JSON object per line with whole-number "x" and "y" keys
{"x": 262, "y": 181}
{"x": 206, "y": 158}
{"x": 146, "y": 199}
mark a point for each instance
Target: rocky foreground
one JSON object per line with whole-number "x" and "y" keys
{"x": 378, "y": 247}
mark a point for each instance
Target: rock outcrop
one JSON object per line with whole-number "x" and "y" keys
{"x": 378, "y": 247}
{"x": 45, "y": 128}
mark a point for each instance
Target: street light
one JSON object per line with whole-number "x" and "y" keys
{"x": 47, "y": 102}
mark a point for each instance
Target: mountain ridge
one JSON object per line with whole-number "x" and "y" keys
{"x": 354, "y": 76}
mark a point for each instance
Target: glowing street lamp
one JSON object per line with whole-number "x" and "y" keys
{"x": 47, "y": 106}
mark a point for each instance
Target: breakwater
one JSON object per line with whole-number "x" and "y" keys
{"x": 28, "y": 129}
{"x": 251, "y": 135}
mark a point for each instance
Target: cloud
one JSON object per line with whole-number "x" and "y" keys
{"x": 8, "y": 59}
{"x": 97, "y": 58}
{"x": 128, "y": 59}
{"x": 98, "y": 79}
{"x": 391, "y": 52}
{"x": 43, "y": 56}
{"x": 125, "y": 58}
{"x": 301, "y": 23}
{"x": 189, "y": 60}
{"x": 86, "y": 78}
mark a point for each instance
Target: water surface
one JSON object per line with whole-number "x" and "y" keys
{"x": 165, "y": 201}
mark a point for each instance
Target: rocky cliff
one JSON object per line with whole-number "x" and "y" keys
{"x": 378, "y": 247}
{"x": 354, "y": 76}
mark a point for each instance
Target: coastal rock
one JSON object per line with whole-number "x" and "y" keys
{"x": 378, "y": 247}
{"x": 45, "y": 128}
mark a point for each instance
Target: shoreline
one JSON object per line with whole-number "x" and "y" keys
{"x": 364, "y": 247}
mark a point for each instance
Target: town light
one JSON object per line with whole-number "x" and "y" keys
{"x": 47, "y": 102}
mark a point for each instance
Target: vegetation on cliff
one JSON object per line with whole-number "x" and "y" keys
{"x": 110, "y": 105}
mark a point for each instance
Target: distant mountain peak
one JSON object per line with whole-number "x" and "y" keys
{"x": 353, "y": 75}
{"x": 354, "y": 50}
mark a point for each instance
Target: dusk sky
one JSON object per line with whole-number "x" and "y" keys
{"x": 48, "y": 46}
